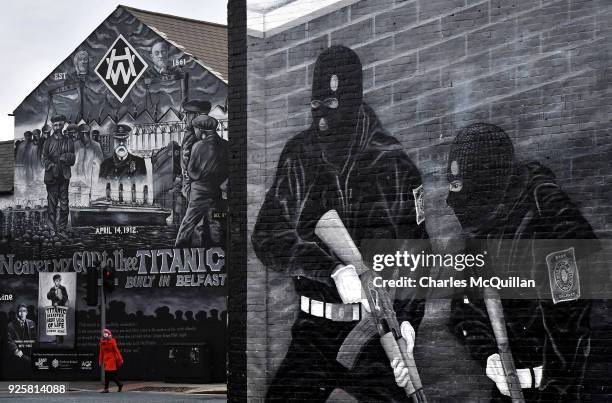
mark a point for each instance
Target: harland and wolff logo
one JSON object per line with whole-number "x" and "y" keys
{"x": 120, "y": 68}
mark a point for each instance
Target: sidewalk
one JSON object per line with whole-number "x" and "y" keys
{"x": 148, "y": 386}
{"x": 133, "y": 392}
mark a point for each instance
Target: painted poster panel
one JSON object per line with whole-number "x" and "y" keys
{"x": 56, "y": 308}
{"x": 165, "y": 299}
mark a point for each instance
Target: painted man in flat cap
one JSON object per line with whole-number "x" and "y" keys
{"x": 58, "y": 157}
{"x": 192, "y": 109}
{"x": 207, "y": 170}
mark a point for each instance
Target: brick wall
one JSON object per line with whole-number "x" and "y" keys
{"x": 7, "y": 166}
{"x": 539, "y": 69}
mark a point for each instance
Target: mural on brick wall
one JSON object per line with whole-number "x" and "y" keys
{"x": 347, "y": 163}
{"x": 112, "y": 127}
{"x": 121, "y": 161}
{"x": 454, "y": 128}
{"x": 496, "y": 198}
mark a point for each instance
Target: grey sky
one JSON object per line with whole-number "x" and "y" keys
{"x": 35, "y": 36}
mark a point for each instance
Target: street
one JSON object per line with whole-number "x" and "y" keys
{"x": 132, "y": 392}
{"x": 91, "y": 396}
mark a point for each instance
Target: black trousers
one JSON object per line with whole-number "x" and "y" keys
{"x": 310, "y": 372}
{"x": 111, "y": 376}
{"x": 200, "y": 202}
{"x": 57, "y": 199}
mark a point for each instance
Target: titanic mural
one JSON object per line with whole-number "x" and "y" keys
{"x": 121, "y": 158}
{"x": 107, "y": 140}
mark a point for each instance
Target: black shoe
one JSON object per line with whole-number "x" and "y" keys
{"x": 119, "y": 387}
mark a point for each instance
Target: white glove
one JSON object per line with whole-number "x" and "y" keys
{"x": 399, "y": 368}
{"x": 348, "y": 283}
{"x": 495, "y": 372}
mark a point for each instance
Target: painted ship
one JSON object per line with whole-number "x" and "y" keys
{"x": 106, "y": 212}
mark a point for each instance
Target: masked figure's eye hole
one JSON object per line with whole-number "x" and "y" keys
{"x": 331, "y": 103}
{"x": 456, "y": 186}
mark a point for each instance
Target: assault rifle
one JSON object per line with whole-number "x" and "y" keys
{"x": 382, "y": 320}
{"x": 498, "y": 323}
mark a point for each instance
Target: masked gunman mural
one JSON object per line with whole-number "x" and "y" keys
{"x": 344, "y": 162}
{"x": 110, "y": 139}
{"x": 431, "y": 131}
{"x": 496, "y": 198}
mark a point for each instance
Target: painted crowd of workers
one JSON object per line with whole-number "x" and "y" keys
{"x": 29, "y": 151}
{"x": 63, "y": 151}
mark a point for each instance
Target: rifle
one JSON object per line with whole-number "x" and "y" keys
{"x": 498, "y": 323}
{"x": 382, "y": 319}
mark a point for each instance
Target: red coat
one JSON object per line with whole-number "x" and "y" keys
{"x": 110, "y": 355}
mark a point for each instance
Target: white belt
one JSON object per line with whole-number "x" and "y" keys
{"x": 335, "y": 312}
{"x": 524, "y": 375}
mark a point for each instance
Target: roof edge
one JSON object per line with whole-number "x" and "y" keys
{"x": 165, "y": 37}
{"x": 128, "y": 8}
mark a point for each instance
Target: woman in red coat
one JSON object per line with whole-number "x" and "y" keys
{"x": 110, "y": 359}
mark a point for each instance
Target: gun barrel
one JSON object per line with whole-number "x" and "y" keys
{"x": 411, "y": 364}
{"x": 392, "y": 349}
{"x": 331, "y": 230}
{"x": 498, "y": 323}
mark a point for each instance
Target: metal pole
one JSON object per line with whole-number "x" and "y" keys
{"x": 102, "y": 317}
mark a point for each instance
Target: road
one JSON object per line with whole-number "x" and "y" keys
{"x": 90, "y": 396}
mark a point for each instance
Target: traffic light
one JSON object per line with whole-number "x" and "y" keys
{"x": 92, "y": 286}
{"x": 108, "y": 279}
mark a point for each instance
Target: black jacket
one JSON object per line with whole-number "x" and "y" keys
{"x": 132, "y": 166}
{"x": 17, "y": 333}
{"x": 371, "y": 188}
{"x": 58, "y": 157}
{"x": 207, "y": 165}
{"x": 51, "y": 295}
{"x": 556, "y": 336}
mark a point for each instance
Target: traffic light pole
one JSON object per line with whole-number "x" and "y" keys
{"x": 102, "y": 316}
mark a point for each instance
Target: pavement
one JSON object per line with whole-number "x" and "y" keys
{"x": 132, "y": 392}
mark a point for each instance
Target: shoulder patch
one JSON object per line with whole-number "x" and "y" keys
{"x": 563, "y": 275}
{"x": 419, "y": 204}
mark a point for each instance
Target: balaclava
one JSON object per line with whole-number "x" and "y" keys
{"x": 337, "y": 94}
{"x": 479, "y": 167}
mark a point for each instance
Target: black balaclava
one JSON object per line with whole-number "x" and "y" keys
{"x": 337, "y": 76}
{"x": 479, "y": 168}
